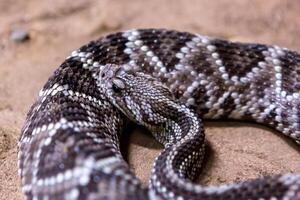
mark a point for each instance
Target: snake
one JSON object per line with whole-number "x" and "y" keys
{"x": 167, "y": 81}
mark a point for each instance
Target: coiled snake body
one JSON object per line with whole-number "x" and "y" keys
{"x": 165, "y": 80}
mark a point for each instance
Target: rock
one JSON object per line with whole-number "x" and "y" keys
{"x": 19, "y": 36}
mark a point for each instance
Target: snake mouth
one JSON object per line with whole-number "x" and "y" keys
{"x": 125, "y": 111}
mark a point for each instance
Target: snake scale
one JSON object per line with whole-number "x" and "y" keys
{"x": 166, "y": 81}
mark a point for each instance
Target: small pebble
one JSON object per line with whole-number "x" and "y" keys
{"x": 19, "y": 36}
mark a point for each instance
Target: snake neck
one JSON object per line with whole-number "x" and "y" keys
{"x": 182, "y": 157}
{"x": 179, "y": 123}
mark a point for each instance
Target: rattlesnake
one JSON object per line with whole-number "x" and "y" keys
{"x": 69, "y": 147}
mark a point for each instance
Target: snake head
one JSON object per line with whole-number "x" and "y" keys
{"x": 139, "y": 96}
{"x": 112, "y": 82}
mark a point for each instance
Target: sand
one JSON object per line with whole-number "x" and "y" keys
{"x": 237, "y": 151}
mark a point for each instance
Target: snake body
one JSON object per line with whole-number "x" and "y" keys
{"x": 165, "y": 80}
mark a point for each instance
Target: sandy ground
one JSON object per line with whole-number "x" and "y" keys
{"x": 237, "y": 151}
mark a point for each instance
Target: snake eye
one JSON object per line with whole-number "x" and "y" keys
{"x": 117, "y": 85}
{"x": 115, "y": 88}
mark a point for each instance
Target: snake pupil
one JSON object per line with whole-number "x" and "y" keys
{"x": 115, "y": 88}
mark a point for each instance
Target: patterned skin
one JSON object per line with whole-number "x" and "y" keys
{"x": 148, "y": 102}
{"x": 69, "y": 147}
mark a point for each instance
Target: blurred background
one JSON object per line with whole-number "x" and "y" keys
{"x": 36, "y": 36}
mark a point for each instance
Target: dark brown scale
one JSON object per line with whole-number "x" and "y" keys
{"x": 108, "y": 50}
{"x": 50, "y": 111}
{"x": 165, "y": 44}
{"x": 202, "y": 61}
{"x": 200, "y": 99}
{"x": 64, "y": 154}
{"x": 239, "y": 59}
{"x": 145, "y": 66}
{"x": 228, "y": 106}
{"x": 290, "y": 68}
{"x": 183, "y": 152}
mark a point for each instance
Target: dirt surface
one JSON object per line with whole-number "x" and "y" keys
{"x": 237, "y": 151}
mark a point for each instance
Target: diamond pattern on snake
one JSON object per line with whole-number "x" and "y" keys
{"x": 167, "y": 81}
